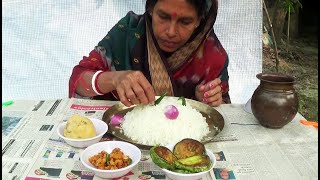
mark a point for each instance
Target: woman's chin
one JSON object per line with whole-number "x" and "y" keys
{"x": 168, "y": 49}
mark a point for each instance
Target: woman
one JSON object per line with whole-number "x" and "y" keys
{"x": 170, "y": 49}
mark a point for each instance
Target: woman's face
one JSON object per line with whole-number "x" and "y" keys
{"x": 173, "y": 22}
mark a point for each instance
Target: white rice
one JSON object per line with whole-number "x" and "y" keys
{"x": 148, "y": 125}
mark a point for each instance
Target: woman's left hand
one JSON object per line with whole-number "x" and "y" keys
{"x": 210, "y": 93}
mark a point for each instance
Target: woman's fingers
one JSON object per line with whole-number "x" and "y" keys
{"x": 199, "y": 91}
{"x": 134, "y": 88}
{"x": 212, "y": 94}
{"x": 213, "y": 84}
{"x": 132, "y": 96}
{"x": 123, "y": 97}
{"x": 140, "y": 94}
{"x": 147, "y": 92}
{"x": 214, "y": 100}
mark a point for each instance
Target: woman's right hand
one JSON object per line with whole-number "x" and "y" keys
{"x": 133, "y": 88}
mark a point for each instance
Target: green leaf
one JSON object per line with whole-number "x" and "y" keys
{"x": 108, "y": 159}
{"x": 130, "y": 160}
{"x": 183, "y": 100}
{"x": 160, "y": 98}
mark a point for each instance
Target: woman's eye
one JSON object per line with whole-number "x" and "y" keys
{"x": 164, "y": 17}
{"x": 185, "y": 22}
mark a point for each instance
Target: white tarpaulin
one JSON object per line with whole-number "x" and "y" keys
{"x": 43, "y": 40}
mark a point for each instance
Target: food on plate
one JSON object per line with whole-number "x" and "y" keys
{"x": 79, "y": 127}
{"x": 187, "y": 148}
{"x": 194, "y": 164}
{"x": 154, "y": 125}
{"x": 171, "y": 112}
{"x": 116, "y": 119}
{"x": 163, "y": 156}
{"x": 115, "y": 160}
{"x": 188, "y": 156}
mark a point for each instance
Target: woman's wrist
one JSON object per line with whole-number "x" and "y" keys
{"x": 105, "y": 82}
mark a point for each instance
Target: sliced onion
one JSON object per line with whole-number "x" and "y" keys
{"x": 116, "y": 119}
{"x": 171, "y": 112}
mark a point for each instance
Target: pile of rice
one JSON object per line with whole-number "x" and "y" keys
{"x": 148, "y": 125}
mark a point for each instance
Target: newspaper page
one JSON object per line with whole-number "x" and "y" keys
{"x": 58, "y": 160}
{"x": 263, "y": 153}
{"x": 26, "y": 127}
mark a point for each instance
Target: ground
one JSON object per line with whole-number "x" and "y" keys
{"x": 301, "y": 62}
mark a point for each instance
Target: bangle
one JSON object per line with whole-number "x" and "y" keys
{"x": 94, "y": 83}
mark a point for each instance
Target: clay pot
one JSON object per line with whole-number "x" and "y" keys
{"x": 275, "y": 102}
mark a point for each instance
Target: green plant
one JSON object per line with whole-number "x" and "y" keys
{"x": 290, "y": 6}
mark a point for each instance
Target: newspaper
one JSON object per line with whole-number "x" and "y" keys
{"x": 31, "y": 148}
{"x": 26, "y": 128}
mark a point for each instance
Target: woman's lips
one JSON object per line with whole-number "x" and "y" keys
{"x": 169, "y": 44}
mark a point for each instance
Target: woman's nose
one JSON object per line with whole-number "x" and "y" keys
{"x": 172, "y": 30}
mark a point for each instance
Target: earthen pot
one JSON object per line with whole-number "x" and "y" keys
{"x": 275, "y": 102}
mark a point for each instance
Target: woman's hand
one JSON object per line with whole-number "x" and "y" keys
{"x": 210, "y": 93}
{"x": 133, "y": 88}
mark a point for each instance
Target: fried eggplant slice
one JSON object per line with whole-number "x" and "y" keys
{"x": 187, "y": 148}
{"x": 163, "y": 157}
{"x": 194, "y": 164}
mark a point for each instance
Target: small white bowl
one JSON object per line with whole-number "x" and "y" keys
{"x": 101, "y": 129}
{"x": 193, "y": 176}
{"x": 128, "y": 149}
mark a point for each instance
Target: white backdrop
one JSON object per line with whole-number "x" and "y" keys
{"x": 43, "y": 40}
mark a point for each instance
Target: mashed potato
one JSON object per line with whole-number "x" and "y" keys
{"x": 79, "y": 127}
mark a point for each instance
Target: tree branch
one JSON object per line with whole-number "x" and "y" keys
{"x": 273, "y": 37}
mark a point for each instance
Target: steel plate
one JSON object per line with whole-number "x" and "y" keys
{"x": 213, "y": 118}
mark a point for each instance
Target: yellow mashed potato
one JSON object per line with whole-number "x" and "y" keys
{"x": 79, "y": 127}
